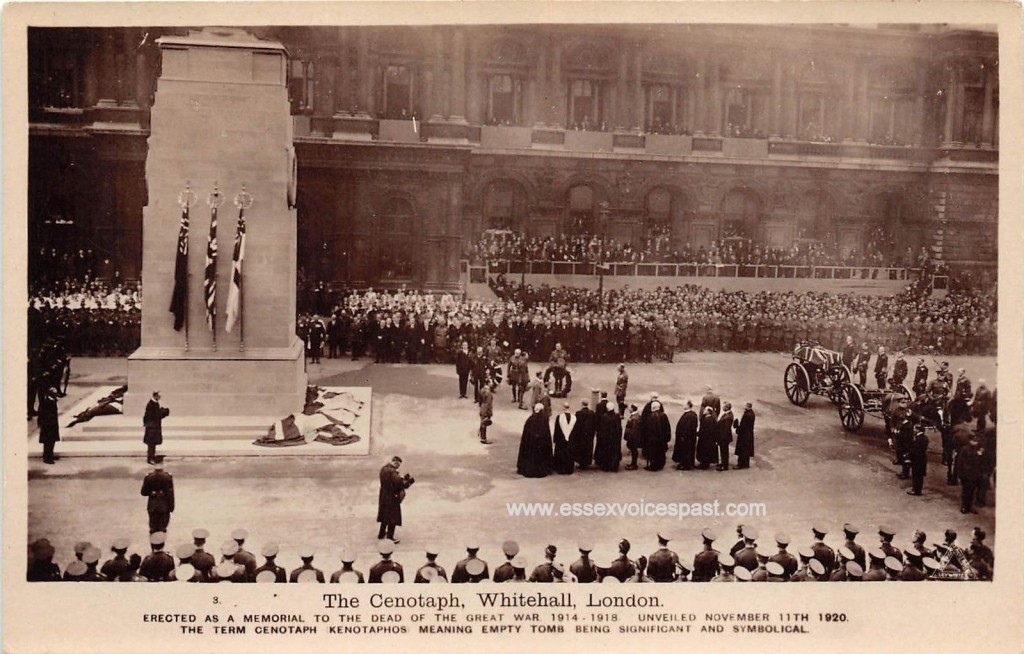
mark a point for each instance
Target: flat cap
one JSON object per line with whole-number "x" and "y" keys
{"x": 664, "y": 534}
{"x": 390, "y": 577}
{"x": 884, "y": 530}
{"x": 43, "y": 549}
{"x": 853, "y": 569}
{"x": 709, "y": 535}
{"x": 473, "y": 545}
{"x": 892, "y": 564}
{"x": 912, "y": 553}
{"x": 428, "y": 572}
{"x": 184, "y": 572}
{"x": 270, "y": 549}
{"x": 782, "y": 539}
{"x": 200, "y": 534}
{"x": 510, "y": 548}
{"x": 806, "y": 553}
{"x": 775, "y": 569}
{"x": 266, "y": 577}
{"x": 931, "y": 564}
{"x": 185, "y": 551}
{"x": 308, "y": 576}
{"x": 81, "y": 546}
{"x": 742, "y": 574}
{"x": 609, "y": 579}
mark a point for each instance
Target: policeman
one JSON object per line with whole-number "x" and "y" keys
{"x": 920, "y": 385}
{"x": 430, "y": 571}
{"x": 661, "y": 565}
{"x": 783, "y": 558}
{"x": 622, "y": 568}
{"x": 243, "y": 557}
{"x": 470, "y": 570}
{"x": 158, "y": 564}
{"x": 706, "y": 563}
{"x": 850, "y": 531}
{"x": 584, "y": 568}
{"x": 306, "y": 573}
{"x": 117, "y": 568}
{"x": 823, "y": 552}
{"x": 726, "y": 564}
{"x": 202, "y": 560}
{"x": 886, "y": 534}
{"x": 158, "y": 486}
{"x": 347, "y": 574}
{"x": 270, "y": 572}
{"x": 504, "y": 572}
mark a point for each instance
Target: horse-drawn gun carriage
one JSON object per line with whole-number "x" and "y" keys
{"x": 815, "y": 370}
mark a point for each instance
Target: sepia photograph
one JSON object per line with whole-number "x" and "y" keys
{"x": 327, "y": 297}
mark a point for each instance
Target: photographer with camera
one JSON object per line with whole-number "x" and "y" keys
{"x": 389, "y": 503}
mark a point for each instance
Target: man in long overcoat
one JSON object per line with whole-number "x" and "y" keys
{"x": 152, "y": 420}
{"x": 389, "y": 501}
{"x": 745, "y": 437}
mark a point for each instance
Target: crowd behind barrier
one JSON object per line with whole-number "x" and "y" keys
{"x": 506, "y": 246}
{"x": 751, "y": 557}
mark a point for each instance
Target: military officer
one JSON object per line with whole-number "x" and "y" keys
{"x": 270, "y": 571}
{"x": 347, "y": 574}
{"x": 471, "y": 569}
{"x": 202, "y": 560}
{"x": 661, "y": 565}
{"x": 117, "y": 568}
{"x": 622, "y": 568}
{"x": 504, "y": 572}
{"x": 429, "y": 570}
{"x": 876, "y": 565}
{"x": 783, "y": 558}
{"x": 706, "y": 562}
{"x": 158, "y": 486}
{"x": 727, "y": 565}
{"x": 306, "y": 573}
{"x": 518, "y": 566}
{"x": 244, "y": 557}
{"x": 851, "y": 531}
{"x": 823, "y": 552}
{"x": 747, "y": 557}
{"x": 920, "y": 385}
{"x": 158, "y": 564}
{"x": 803, "y": 573}
{"x": 885, "y": 536}
{"x": 584, "y": 568}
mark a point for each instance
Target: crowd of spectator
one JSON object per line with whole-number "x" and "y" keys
{"x": 90, "y": 317}
{"x": 658, "y": 247}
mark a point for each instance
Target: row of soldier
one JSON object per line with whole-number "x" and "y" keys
{"x": 917, "y": 561}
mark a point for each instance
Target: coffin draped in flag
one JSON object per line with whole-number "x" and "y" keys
{"x": 210, "y": 280}
{"x": 179, "y": 296}
{"x": 234, "y": 311}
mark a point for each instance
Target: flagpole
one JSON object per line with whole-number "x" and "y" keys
{"x": 243, "y": 201}
{"x": 214, "y": 200}
{"x": 185, "y": 200}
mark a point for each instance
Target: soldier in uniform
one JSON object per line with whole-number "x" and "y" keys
{"x": 783, "y": 558}
{"x": 229, "y": 570}
{"x": 850, "y": 531}
{"x": 158, "y": 486}
{"x": 486, "y": 410}
{"x": 920, "y": 380}
{"x": 622, "y": 568}
{"x": 518, "y": 376}
{"x": 584, "y": 568}
{"x": 918, "y": 459}
{"x": 91, "y": 558}
{"x": 117, "y": 569}
{"x": 505, "y": 571}
{"x": 881, "y": 368}
{"x": 386, "y": 570}
{"x": 243, "y": 557}
{"x": 158, "y": 564}
{"x": 49, "y": 428}
{"x": 920, "y": 538}
{"x": 803, "y": 572}
{"x": 726, "y": 565}
{"x": 544, "y": 573}
{"x": 463, "y": 366}
{"x": 470, "y": 570}
{"x": 429, "y": 570}
{"x": 816, "y": 571}
{"x": 306, "y": 572}
{"x": 885, "y": 536}
{"x": 899, "y": 372}
{"x": 621, "y": 384}
{"x": 270, "y": 570}
{"x": 518, "y": 567}
{"x": 347, "y": 574}
{"x": 706, "y": 562}
{"x": 41, "y": 566}
{"x": 184, "y": 554}
{"x": 913, "y": 570}
{"x": 202, "y": 560}
{"x": 860, "y": 364}
{"x": 316, "y": 333}
{"x": 823, "y": 552}
{"x": 661, "y": 565}
{"x": 747, "y": 557}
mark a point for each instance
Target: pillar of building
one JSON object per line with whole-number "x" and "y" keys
{"x": 774, "y": 127}
{"x": 108, "y": 69}
{"x": 457, "y": 113}
{"x": 638, "y": 87}
{"x": 556, "y": 89}
{"x": 539, "y": 97}
{"x": 715, "y": 92}
{"x": 622, "y": 91}
{"x": 438, "y": 84}
{"x": 700, "y": 96}
{"x": 987, "y": 110}
{"x": 363, "y": 85}
{"x": 473, "y": 93}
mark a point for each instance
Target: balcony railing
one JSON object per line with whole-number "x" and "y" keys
{"x": 704, "y": 270}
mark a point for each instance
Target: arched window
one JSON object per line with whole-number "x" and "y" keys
{"x": 814, "y": 215}
{"x": 585, "y": 111}
{"x": 741, "y": 213}
{"x": 504, "y": 205}
{"x": 581, "y": 218}
{"x": 395, "y": 226}
{"x": 398, "y": 89}
{"x": 504, "y": 100}
{"x": 658, "y": 211}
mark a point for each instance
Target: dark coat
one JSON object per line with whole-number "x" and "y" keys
{"x": 392, "y": 492}
{"x": 707, "y": 446}
{"x": 581, "y": 441}
{"x": 152, "y": 420}
{"x": 49, "y": 428}
{"x": 657, "y": 432}
{"x": 564, "y": 464}
{"x": 723, "y": 428}
{"x": 158, "y": 486}
{"x": 535, "y": 448}
{"x": 463, "y": 363}
{"x": 608, "y": 452}
{"x": 919, "y": 454}
{"x": 686, "y": 439}
{"x": 745, "y": 434}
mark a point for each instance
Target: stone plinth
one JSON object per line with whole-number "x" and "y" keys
{"x": 220, "y": 117}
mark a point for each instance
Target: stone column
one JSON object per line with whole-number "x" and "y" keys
{"x": 638, "y": 87}
{"x": 774, "y": 124}
{"x": 91, "y": 70}
{"x": 108, "y": 69}
{"x": 439, "y": 87}
{"x": 864, "y": 103}
{"x": 947, "y": 123}
{"x": 556, "y": 86}
{"x": 715, "y": 122}
{"x": 129, "y": 47}
{"x": 987, "y": 111}
{"x": 622, "y": 91}
{"x": 473, "y": 106}
{"x": 850, "y": 120}
{"x": 540, "y": 98}
{"x": 362, "y": 84}
{"x": 700, "y": 117}
{"x": 457, "y": 114}
{"x": 919, "y": 105}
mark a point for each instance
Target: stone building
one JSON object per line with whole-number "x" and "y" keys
{"x": 411, "y": 141}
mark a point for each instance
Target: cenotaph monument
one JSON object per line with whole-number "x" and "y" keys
{"x": 221, "y": 141}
